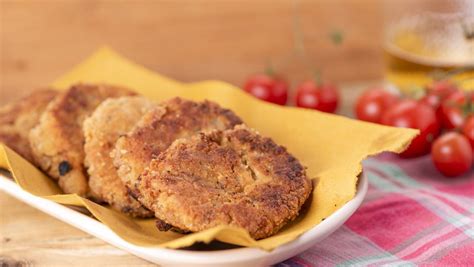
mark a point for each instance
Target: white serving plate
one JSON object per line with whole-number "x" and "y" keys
{"x": 172, "y": 257}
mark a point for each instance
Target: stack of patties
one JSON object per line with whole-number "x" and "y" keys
{"x": 192, "y": 165}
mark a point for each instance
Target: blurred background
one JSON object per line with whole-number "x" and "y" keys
{"x": 210, "y": 39}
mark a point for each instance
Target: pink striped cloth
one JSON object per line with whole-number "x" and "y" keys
{"x": 412, "y": 215}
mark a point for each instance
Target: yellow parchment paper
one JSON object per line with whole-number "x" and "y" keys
{"x": 332, "y": 147}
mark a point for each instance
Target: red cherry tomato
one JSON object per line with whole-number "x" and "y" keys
{"x": 450, "y": 112}
{"x": 432, "y": 100}
{"x": 468, "y": 130}
{"x": 412, "y": 114}
{"x": 268, "y": 88}
{"x": 372, "y": 103}
{"x": 436, "y": 93}
{"x": 323, "y": 97}
{"x": 451, "y": 154}
{"x": 442, "y": 88}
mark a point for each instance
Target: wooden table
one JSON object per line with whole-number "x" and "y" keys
{"x": 188, "y": 41}
{"x": 29, "y": 237}
{"x": 37, "y": 49}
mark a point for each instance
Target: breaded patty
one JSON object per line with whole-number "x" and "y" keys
{"x": 110, "y": 120}
{"x": 176, "y": 118}
{"x": 57, "y": 142}
{"x": 233, "y": 177}
{"x": 18, "y": 118}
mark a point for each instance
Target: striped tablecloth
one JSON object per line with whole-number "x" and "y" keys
{"x": 412, "y": 215}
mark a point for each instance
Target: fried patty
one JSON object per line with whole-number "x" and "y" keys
{"x": 156, "y": 131}
{"x": 112, "y": 119}
{"x": 57, "y": 142}
{"x": 18, "y": 118}
{"x": 234, "y": 177}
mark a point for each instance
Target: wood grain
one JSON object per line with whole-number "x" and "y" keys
{"x": 188, "y": 40}
{"x": 29, "y": 237}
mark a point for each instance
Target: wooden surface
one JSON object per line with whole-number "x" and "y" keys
{"x": 41, "y": 40}
{"x": 29, "y": 237}
{"x": 189, "y": 40}
{"x": 185, "y": 40}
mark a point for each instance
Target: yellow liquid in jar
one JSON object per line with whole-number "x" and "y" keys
{"x": 411, "y": 62}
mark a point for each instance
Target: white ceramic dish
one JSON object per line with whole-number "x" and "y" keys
{"x": 169, "y": 257}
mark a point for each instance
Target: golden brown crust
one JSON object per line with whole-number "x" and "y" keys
{"x": 18, "y": 118}
{"x": 173, "y": 119}
{"x": 232, "y": 177}
{"x": 57, "y": 142}
{"x": 111, "y": 119}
